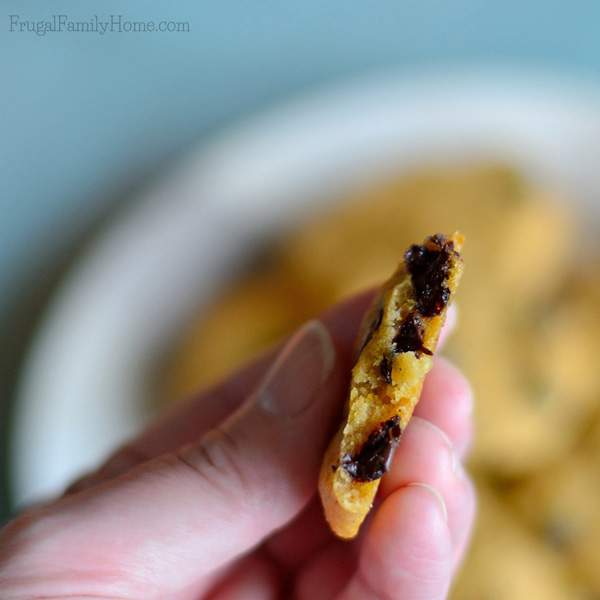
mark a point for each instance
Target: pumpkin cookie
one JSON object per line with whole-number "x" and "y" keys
{"x": 398, "y": 338}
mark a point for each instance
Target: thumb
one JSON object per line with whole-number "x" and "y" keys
{"x": 261, "y": 466}
{"x": 200, "y": 507}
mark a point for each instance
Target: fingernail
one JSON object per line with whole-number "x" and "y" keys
{"x": 455, "y": 463}
{"x": 439, "y": 499}
{"x": 292, "y": 383}
{"x": 439, "y": 432}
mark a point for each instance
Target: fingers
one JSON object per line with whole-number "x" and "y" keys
{"x": 407, "y": 553}
{"x": 447, "y": 401}
{"x": 426, "y": 455}
{"x": 185, "y": 423}
{"x": 213, "y": 501}
{"x": 413, "y": 540}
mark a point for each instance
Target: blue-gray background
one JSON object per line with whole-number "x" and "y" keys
{"x": 85, "y": 118}
{"x": 84, "y": 115}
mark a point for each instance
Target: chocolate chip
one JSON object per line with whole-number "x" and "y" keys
{"x": 385, "y": 368}
{"x": 429, "y": 265}
{"x": 410, "y": 336}
{"x": 375, "y": 456}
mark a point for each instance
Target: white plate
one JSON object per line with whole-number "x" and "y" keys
{"x": 86, "y": 379}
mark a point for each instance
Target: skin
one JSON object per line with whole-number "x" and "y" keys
{"x": 218, "y": 499}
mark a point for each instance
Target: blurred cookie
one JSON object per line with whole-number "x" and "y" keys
{"x": 592, "y": 441}
{"x": 536, "y": 373}
{"x": 566, "y": 346}
{"x": 517, "y": 417}
{"x": 506, "y": 562}
{"x": 362, "y": 236}
{"x": 562, "y": 505}
{"x": 251, "y": 316}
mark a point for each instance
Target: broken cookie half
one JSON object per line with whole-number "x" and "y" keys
{"x": 396, "y": 344}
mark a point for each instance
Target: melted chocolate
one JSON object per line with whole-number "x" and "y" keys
{"x": 375, "y": 456}
{"x": 429, "y": 265}
{"x": 410, "y": 336}
{"x": 385, "y": 368}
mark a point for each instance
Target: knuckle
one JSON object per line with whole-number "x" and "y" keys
{"x": 218, "y": 461}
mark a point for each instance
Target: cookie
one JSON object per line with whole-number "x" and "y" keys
{"x": 562, "y": 506}
{"x": 506, "y": 562}
{"x": 535, "y": 372}
{"x": 592, "y": 440}
{"x": 246, "y": 319}
{"x": 397, "y": 341}
{"x": 569, "y": 337}
{"x": 505, "y": 219}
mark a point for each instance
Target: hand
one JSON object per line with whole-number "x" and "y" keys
{"x": 218, "y": 499}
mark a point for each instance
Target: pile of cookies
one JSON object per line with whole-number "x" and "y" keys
{"x": 528, "y": 339}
